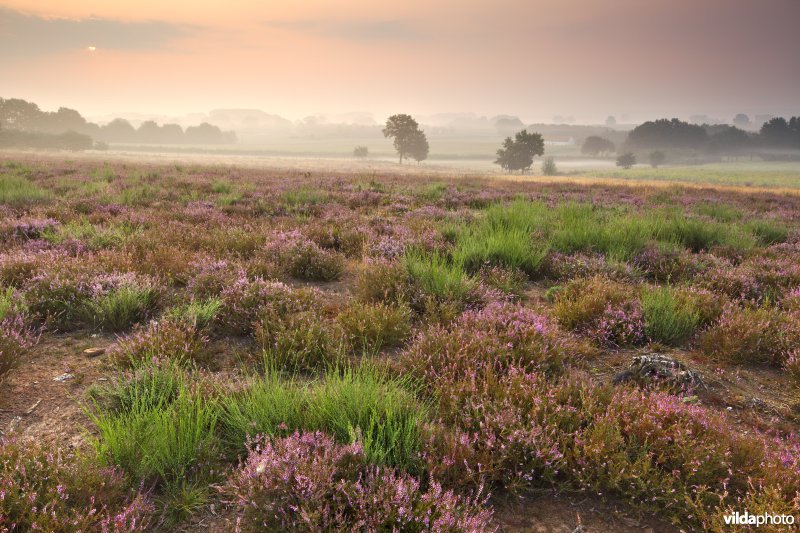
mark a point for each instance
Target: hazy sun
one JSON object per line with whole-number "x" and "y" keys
{"x": 91, "y": 48}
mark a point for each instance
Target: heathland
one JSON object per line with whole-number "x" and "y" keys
{"x": 368, "y": 349}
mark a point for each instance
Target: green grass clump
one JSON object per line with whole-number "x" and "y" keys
{"x": 157, "y": 438}
{"x": 300, "y": 342}
{"x": 304, "y": 196}
{"x": 8, "y": 302}
{"x": 365, "y": 404}
{"x": 437, "y": 276}
{"x": 351, "y": 404}
{"x": 268, "y": 405}
{"x": 768, "y": 232}
{"x": 122, "y": 307}
{"x": 721, "y": 212}
{"x": 668, "y": 318}
{"x": 198, "y": 313}
{"x": 17, "y": 190}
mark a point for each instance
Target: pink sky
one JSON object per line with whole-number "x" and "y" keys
{"x": 533, "y": 58}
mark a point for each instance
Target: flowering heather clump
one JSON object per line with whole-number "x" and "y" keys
{"x": 370, "y": 327}
{"x": 792, "y": 365}
{"x": 17, "y": 267}
{"x": 486, "y": 343}
{"x": 303, "y": 259}
{"x": 665, "y": 263}
{"x": 16, "y": 338}
{"x": 791, "y": 302}
{"x": 247, "y": 301}
{"x": 344, "y": 237}
{"x": 45, "y": 489}
{"x": 605, "y": 310}
{"x": 299, "y": 340}
{"x": 33, "y": 228}
{"x": 59, "y": 298}
{"x": 559, "y": 266}
{"x": 380, "y": 280}
{"x": 161, "y": 340}
{"x": 618, "y": 326}
{"x": 759, "y": 280}
{"x": 753, "y": 335}
{"x": 209, "y": 278}
{"x": 309, "y": 483}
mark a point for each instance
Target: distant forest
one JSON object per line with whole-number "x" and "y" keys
{"x": 778, "y": 138}
{"x": 24, "y": 125}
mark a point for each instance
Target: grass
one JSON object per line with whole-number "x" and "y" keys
{"x": 155, "y": 437}
{"x": 122, "y": 307}
{"x": 198, "y": 313}
{"x": 18, "y": 190}
{"x": 668, "y": 318}
{"x": 7, "y": 302}
{"x": 350, "y": 404}
{"x": 436, "y": 275}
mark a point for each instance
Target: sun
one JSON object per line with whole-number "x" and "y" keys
{"x": 91, "y": 48}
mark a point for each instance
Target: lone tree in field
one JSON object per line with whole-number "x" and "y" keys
{"x": 418, "y": 146}
{"x": 595, "y": 145}
{"x": 657, "y": 158}
{"x": 409, "y": 140}
{"x": 626, "y": 160}
{"x": 518, "y": 153}
{"x": 360, "y": 151}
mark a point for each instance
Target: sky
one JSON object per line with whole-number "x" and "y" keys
{"x": 532, "y": 58}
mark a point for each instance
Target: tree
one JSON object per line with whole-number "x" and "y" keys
{"x": 360, "y": 151}
{"x": 611, "y": 121}
{"x": 549, "y": 167}
{"x": 741, "y": 120}
{"x": 595, "y": 145}
{"x": 518, "y": 153}
{"x": 406, "y": 134}
{"x": 656, "y": 158}
{"x": 626, "y": 160}
{"x": 667, "y": 134}
{"x": 418, "y": 146}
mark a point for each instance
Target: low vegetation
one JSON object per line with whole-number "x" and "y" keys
{"x": 392, "y": 353}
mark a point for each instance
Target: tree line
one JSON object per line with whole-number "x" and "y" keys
{"x": 38, "y": 127}
{"x": 775, "y": 136}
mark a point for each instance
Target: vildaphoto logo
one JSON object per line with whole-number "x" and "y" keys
{"x": 747, "y": 519}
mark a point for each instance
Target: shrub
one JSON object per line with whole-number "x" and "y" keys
{"x": 308, "y": 483}
{"x": 210, "y": 278}
{"x": 59, "y": 299}
{"x": 165, "y": 340}
{"x": 486, "y": 343}
{"x": 602, "y": 309}
{"x": 668, "y": 318}
{"x": 300, "y": 341}
{"x": 45, "y": 488}
{"x": 303, "y": 259}
{"x": 246, "y": 302}
{"x": 753, "y": 335}
{"x": 371, "y": 327}
{"x": 382, "y": 281}
{"x": 16, "y": 339}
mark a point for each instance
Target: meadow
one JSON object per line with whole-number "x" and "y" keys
{"x": 308, "y": 349}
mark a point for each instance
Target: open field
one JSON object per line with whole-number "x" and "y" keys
{"x": 296, "y": 344}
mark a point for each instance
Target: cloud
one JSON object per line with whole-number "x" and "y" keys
{"x": 360, "y": 31}
{"x": 25, "y": 35}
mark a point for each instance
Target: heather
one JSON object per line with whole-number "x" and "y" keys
{"x": 332, "y": 351}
